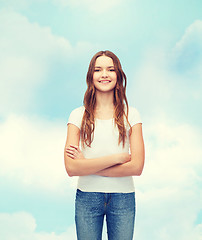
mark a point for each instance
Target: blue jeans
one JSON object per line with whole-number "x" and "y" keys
{"x": 90, "y": 208}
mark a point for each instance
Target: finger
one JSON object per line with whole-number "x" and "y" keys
{"x": 71, "y": 155}
{"x": 70, "y": 151}
{"x": 71, "y": 148}
{"x": 74, "y": 146}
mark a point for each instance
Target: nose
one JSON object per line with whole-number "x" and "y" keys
{"x": 104, "y": 73}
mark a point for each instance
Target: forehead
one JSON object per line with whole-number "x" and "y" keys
{"x": 104, "y": 61}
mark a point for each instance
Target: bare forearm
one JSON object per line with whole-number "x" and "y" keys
{"x": 123, "y": 170}
{"x": 81, "y": 167}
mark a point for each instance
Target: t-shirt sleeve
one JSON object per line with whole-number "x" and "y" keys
{"x": 76, "y": 116}
{"x": 134, "y": 116}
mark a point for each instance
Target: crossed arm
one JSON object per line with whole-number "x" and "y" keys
{"x": 116, "y": 165}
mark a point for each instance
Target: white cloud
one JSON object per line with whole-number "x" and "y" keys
{"x": 22, "y": 226}
{"x": 169, "y": 194}
{"x": 168, "y": 81}
{"x": 32, "y": 153}
{"x": 192, "y": 35}
{"x": 96, "y": 7}
{"x": 15, "y": 4}
{"x": 20, "y": 223}
{"x": 28, "y": 53}
{"x": 187, "y": 53}
{"x": 153, "y": 85}
{"x": 21, "y": 37}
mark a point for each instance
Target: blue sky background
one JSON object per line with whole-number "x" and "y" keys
{"x": 45, "y": 49}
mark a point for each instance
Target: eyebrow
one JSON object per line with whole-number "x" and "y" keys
{"x": 108, "y": 67}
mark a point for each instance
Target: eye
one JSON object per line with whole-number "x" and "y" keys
{"x": 112, "y": 70}
{"x": 96, "y": 70}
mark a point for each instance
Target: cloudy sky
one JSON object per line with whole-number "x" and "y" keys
{"x": 45, "y": 49}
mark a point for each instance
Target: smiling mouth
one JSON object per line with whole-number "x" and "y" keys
{"x": 104, "y": 81}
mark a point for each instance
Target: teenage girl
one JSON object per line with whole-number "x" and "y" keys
{"x": 105, "y": 148}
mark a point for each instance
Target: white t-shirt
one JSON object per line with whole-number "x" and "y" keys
{"x": 105, "y": 143}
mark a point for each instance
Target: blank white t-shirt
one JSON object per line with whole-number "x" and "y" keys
{"x": 105, "y": 143}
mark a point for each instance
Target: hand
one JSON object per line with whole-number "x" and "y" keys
{"x": 124, "y": 157}
{"x": 74, "y": 152}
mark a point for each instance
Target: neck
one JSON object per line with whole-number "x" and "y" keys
{"x": 104, "y": 100}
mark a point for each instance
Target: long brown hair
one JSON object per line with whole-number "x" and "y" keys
{"x": 88, "y": 121}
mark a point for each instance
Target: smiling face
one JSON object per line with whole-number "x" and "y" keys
{"x": 104, "y": 76}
